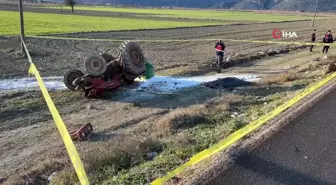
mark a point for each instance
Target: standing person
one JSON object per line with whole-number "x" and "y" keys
{"x": 327, "y": 39}
{"x": 220, "y": 47}
{"x": 313, "y": 39}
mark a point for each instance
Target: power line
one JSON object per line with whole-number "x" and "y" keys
{"x": 21, "y": 25}
{"x": 315, "y": 13}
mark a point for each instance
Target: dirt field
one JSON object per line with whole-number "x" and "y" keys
{"x": 32, "y": 149}
{"x": 92, "y": 13}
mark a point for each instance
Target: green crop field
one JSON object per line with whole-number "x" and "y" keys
{"x": 198, "y": 14}
{"x": 42, "y": 23}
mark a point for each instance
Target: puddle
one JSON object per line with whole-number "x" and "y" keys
{"x": 52, "y": 83}
{"x": 166, "y": 84}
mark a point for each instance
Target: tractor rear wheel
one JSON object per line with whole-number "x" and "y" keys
{"x": 107, "y": 56}
{"x": 133, "y": 60}
{"x": 70, "y": 77}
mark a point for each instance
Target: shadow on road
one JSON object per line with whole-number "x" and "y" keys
{"x": 276, "y": 172}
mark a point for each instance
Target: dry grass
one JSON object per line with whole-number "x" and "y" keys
{"x": 199, "y": 114}
{"x": 39, "y": 173}
{"x": 279, "y": 79}
{"x": 120, "y": 154}
{"x": 182, "y": 118}
{"x": 330, "y": 68}
{"x": 108, "y": 158}
{"x": 310, "y": 67}
{"x": 329, "y": 60}
{"x": 226, "y": 100}
{"x": 327, "y": 64}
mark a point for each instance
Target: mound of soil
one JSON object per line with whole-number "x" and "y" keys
{"x": 330, "y": 68}
{"x": 225, "y": 83}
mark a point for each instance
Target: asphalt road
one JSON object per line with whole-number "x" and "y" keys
{"x": 303, "y": 153}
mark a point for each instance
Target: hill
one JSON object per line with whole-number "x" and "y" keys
{"x": 306, "y": 5}
{"x": 289, "y": 5}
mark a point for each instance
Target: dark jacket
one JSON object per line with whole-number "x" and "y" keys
{"x": 328, "y": 38}
{"x": 313, "y": 37}
{"x": 222, "y": 47}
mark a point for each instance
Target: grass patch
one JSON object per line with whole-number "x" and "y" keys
{"x": 182, "y": 118}
{"x": 39, "y": 173}
{"x": 330, "y": 60}
{"x": 213, "y": 110}
{"x": 110, "y": 158}
{"x": 43, "y": 23}
{"x": 279, "y": 79}
{"x": 330, "y": 65}
{"x": 182, "y": 145}
{"x": 327, "y": 65}
{"x": 197, "y": 14}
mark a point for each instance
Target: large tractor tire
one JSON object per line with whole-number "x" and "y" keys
{"x": 95, "y": 65}
{"x": 70, "y": 77}
{"x": 133, "y": 60}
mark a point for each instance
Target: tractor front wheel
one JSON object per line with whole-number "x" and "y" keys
{"x": 95, "y": 65}
{"x": 70, "y": 77}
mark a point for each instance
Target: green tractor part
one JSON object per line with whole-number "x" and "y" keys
{"x": 150, "y": 72}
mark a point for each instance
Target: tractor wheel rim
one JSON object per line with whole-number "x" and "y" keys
{"x": 73, "y": 78}
{"x": 95, "y": 64}
{"x": 135, "y": 57}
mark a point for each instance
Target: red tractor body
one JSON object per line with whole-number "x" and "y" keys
{"x": 106, "y": 72}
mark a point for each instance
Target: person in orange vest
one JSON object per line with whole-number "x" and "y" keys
{"x": 220, "y": 47}
{"x": 327, "y": 39}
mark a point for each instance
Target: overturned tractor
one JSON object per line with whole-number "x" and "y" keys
{"x": 105, "y": 72}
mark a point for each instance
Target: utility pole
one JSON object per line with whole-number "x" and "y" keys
{"x": 315, "y": 13}
{"x": 177, "y": 3}
{"x": 21, "y": 25}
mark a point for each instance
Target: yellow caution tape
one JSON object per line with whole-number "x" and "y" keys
{"x": 187, "y": 40}
{"x": 69, "y": 145}
{"x": 234, "y": 137}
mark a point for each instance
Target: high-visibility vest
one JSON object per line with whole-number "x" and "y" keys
{"x": 219, "y": 47}
{"x": 327, "y": 38}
